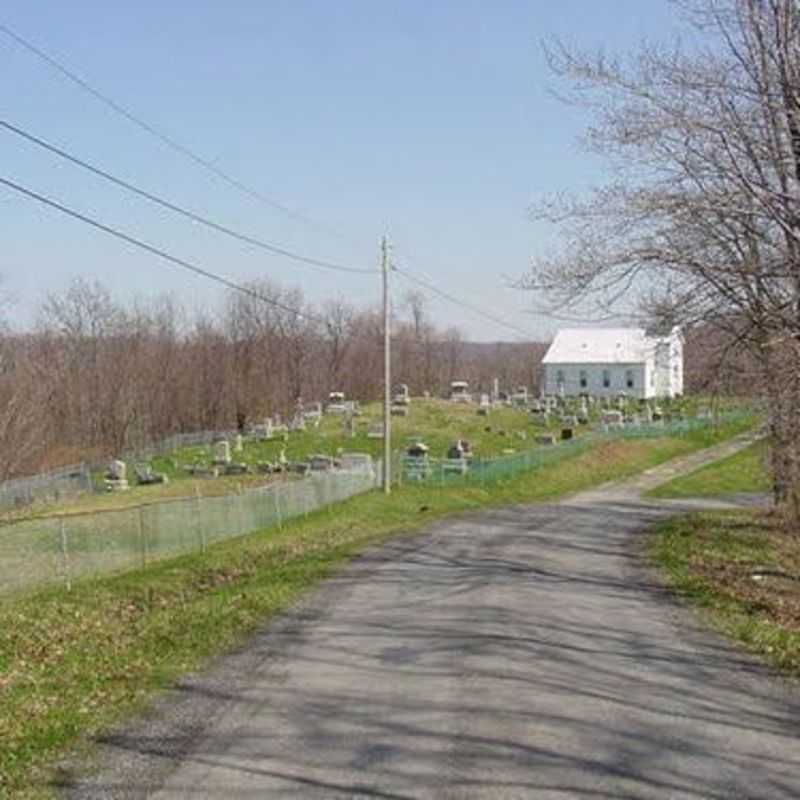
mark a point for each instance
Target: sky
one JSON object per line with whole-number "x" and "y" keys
{"x": 430, "y": 122}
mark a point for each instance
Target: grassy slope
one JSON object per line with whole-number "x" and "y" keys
{"x": 741, "y": 472}
{"x": 71, "y": 664}
{"x": 439, "y": 423}
{"x": 710, "y": 560}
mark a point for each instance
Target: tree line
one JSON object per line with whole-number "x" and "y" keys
{"x": 96, "y": 376}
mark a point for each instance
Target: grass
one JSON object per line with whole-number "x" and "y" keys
{"x": 711, "y": 560}
{"x": 72, "y": 664}
{"x": 742, "y": 472}
{"x": 438, "y": 422}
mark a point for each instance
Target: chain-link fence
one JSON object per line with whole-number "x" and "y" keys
{"x": 68, "y": 481}
{"x": 49, "y": 550}
{"x": 444, "y": 471}
{"x": 49, "y": 486}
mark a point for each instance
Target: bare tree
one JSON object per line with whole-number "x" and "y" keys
{"x": 702, "y": 221}
{"x": 338, "y": 317}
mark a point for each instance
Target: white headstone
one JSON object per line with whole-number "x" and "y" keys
{"x": 222, "y": 452}
{"x": 117, "y": 470}
{"x": 238, "y": 446}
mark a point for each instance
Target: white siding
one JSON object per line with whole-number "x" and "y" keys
{"x": 596, "y": 374}
{"x": 655, "y": 363}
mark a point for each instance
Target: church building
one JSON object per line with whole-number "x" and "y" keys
{"x": 606, "y": 362}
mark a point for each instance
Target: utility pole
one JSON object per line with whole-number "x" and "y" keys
{"x": 387, "y": 371}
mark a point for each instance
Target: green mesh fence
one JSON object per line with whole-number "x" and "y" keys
{"x": 64, "y": 549}
{"x": 50, "y": 550}
{"x": 444, "y": 471}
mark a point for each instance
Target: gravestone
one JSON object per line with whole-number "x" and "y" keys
{"x": 455, "y": 450}
{"x": 540, "y": 417}
{"x": 145, "y": 476}
{"x": 238, "y": 446}
{"x": 566, "y": 434}
{"x": 222, "y": 453}
{"x": 117, "y": 476}
{"x": 117, "y": 471}
{"x": 611, "y": 416}
{"x": 402, "y": 396}
{"x": 456, "y": 459}
{"x": 236, "y": 469}
{"x": 349, "y": 425}
{"x": 313, "y": 412}
{"x": 375, "y": 430}
{"x": 320, "y": 463}
{"x": 546, "y": 439}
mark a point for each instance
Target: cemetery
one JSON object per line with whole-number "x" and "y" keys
{"x": 317, "y": 436}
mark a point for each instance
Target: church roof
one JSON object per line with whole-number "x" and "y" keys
{"x": 600, "y": 346}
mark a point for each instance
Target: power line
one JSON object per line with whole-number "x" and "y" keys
{"x": 154, "y": 250}
{"x": 162, "y": 137}
{"x": 469, "y": 306}
{"x": 272, "y": 248}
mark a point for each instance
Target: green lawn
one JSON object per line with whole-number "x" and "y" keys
{"x": 73, "y": 663}
{"x": 742, "y": 570}
{"x": 438, "y": 422}
{"x": 742, "y": 472}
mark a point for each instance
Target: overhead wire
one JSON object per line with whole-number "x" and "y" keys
{"x": 227, "y": 282}
{"x": 173, "y": 144}
{"x": 219, "y": 173}
{"x": 153, "y": 250}
{"x": 195, "y": 217}
{"x": 426, "y": 284}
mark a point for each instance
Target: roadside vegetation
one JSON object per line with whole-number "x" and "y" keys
{"x": 743, "y": 572}
{"x": 744, "y": 472}
{"x": 71, "y": 664}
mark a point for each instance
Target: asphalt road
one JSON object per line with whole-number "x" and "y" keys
{"x": 519, "y": 653}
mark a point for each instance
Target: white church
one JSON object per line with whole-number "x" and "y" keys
{"x": 606, "y": 362}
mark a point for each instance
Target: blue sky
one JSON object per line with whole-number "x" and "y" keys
{"x": 429, "y": 121}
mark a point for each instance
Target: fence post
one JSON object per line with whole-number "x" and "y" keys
{"x": 199, "y": 519}
{"x": 276, "y": 494}
{"x": 65, "y": 554}
{"x": 240, "y": 507}
{"x": 142, "y": 537}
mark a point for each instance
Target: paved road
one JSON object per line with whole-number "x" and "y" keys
{"x": 519, "y": 653}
